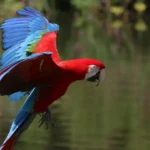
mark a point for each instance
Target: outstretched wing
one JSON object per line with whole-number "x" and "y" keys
{"x": 20, "y": 36}
{"x": 33, "y": 71}
{"x": 29, "y": 33}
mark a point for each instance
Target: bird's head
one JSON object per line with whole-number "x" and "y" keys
{"x": 86, "y": 69}
{"x": 95, "y": 71}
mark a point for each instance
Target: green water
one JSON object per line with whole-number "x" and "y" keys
{"x": 112, "y": 116}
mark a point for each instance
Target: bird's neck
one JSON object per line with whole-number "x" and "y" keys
{"x": 73, "y": 69}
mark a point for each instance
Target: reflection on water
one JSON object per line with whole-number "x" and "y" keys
{"x": 113, "y": 116}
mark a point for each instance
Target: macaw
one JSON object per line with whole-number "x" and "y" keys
{"x": 31, "y": 65}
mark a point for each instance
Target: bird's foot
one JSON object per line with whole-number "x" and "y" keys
{"x": 46, "y": 119}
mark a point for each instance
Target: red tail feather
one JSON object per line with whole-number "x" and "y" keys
{"x": 9, "y": 144}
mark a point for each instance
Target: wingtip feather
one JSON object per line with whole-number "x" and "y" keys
{"x": 24, "y": 32}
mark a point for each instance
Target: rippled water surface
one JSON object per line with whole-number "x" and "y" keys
{"x": 112, "y": 116}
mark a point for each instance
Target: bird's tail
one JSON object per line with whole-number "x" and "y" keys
{"x": 16, "y": 131}
{"x": 21, "y": 122}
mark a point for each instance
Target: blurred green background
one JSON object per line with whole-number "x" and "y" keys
{"x": 113, "y": 116}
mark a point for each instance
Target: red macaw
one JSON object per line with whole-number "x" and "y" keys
{"x": 31, "y": 65}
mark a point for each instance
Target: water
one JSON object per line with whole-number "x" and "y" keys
{"x": 112, "y": 116}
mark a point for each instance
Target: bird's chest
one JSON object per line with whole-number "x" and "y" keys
{"x": 48, "y": 94}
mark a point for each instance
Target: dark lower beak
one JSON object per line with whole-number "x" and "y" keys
{"x": 94, "y": 78}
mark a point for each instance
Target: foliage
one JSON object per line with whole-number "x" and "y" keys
{"x": 114, "y": 18}
{"x": 102, "y": 26}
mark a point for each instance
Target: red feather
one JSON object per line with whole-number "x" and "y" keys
{"x": 48, "y": 44}
{"x": 9, "y": 144}
{"x": 29, "y": 74}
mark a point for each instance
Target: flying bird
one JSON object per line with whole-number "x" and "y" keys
{"x": 30, "y": 65}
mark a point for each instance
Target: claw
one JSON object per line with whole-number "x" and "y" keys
{"x": 46, "y": 119}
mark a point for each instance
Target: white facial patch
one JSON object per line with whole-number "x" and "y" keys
{"x": 92, "y": 70}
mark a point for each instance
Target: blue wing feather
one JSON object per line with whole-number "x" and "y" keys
{"x": 19, "y": 50}
{"x": 16, "y": 20}
{"x": 17, "y": 96}
{"x": 25, "y": 13}
{"x": 15, "y": 39}
{"x": 19, "y": 24}
{"x": 15, "y": 30}
{"x": 24, "y": 117}
{"x": 19, "y": 34}
{"x": 15, "y": 35}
